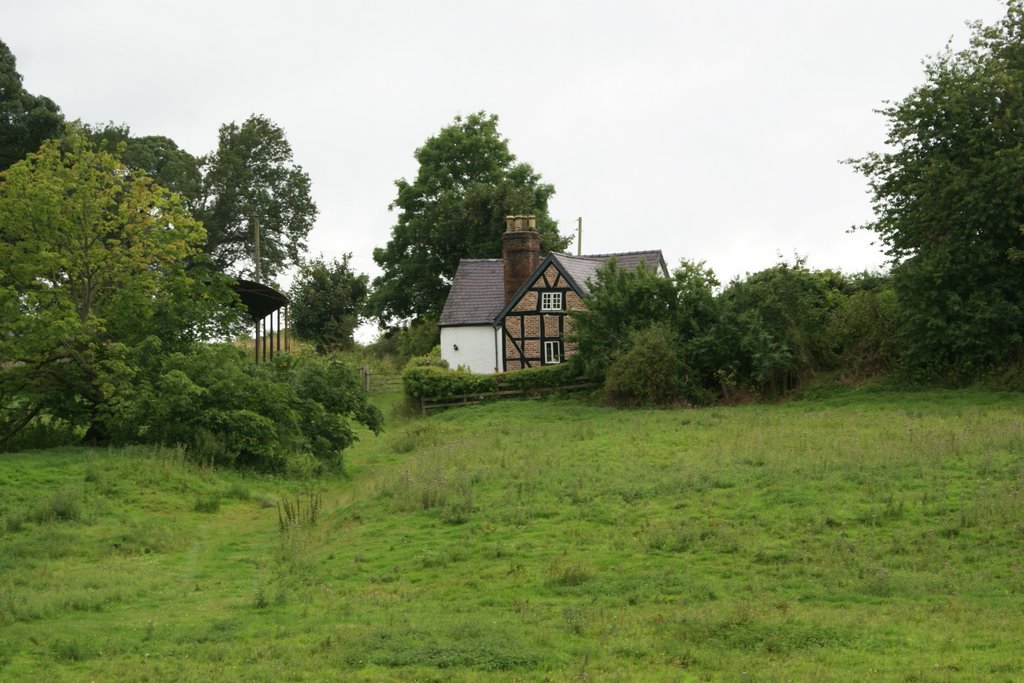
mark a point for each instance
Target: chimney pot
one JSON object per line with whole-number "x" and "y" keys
{"x": 520, "y": 252}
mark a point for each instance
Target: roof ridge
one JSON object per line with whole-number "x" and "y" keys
{"x": 623, "y": 253}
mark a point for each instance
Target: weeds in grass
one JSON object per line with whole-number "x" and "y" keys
{"x": 236, "y": 491}
{"x": 100, "y": 478}
{"x": 413, "y": 438}
{"x": 72, "y": 649}
{"x": 149, "y": 535}
{"x": 790, "y": 542}
{"x": 209, "y": 504}
{"x": 261, "y": 601}
{"x": 575, "y": 619}
{"x": 566, "y": 571}
{"x": 293, "y": 514}
{"x": 64, "y": 505}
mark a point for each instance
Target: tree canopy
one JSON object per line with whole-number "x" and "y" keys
{"x": 25, "y": 119}
{"x": 467, "y": 182}
{"x": 92, "y": 261}
{"x": 327, "y": 302}
{"x": 949, "y": 203}
{"x": 251, "y": 176}
{"x": 158, "y": 156}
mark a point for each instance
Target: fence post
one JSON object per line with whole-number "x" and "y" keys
{"x": 365, "y": 372}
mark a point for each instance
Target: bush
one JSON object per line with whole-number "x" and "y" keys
{"x": 865, "y": 328}
{"x": 227, "y": 410}
{"x": 652, "y": 372}
{"x": 429, "y": 360}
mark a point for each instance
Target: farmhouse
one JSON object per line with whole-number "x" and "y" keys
{"x": 510, "y": 313}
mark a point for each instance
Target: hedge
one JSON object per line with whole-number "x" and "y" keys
{"x": 544, "y": 377}
{"x": 432, "y": 382}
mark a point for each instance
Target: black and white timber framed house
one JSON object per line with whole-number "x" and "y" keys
{"x": 512, "y": 313}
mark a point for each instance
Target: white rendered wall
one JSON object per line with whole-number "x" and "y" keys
{"x": 476, "y": 347}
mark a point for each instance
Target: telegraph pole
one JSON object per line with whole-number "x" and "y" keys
{"x": 256, "y": 261}
{"x": 579, "y": 236}
{"x": 256, "y": 241}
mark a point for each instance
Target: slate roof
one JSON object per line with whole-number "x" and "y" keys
{"x": 477, "y": 295}
{"x": 582, "y": 269}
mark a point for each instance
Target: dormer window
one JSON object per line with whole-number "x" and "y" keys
{"x": 550, "y": 301}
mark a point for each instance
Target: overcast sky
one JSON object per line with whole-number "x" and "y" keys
{"x": 710, "y": 130}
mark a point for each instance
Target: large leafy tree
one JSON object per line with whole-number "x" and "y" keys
{"x": 91, "y": 265}
{"x": 249, "y": 178}
{"x": 158, "y": 156}
{"x": 25, "y": 119}
{"x": 949, "y": 203}
{"x": 327, "y": 302}
{"x": 468, "y": 181}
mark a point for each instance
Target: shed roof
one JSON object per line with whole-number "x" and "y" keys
{"x": 260, "y": 299}
{"x": 477, "y": 295}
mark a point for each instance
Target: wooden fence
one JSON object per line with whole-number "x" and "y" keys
{"x": 379, "y": 381}
{"x": 427, "y": 405}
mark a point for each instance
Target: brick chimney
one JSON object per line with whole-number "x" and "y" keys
{"x": 520, "y": 251}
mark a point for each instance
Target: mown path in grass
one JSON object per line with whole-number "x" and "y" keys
{"x": 874, "y": 536}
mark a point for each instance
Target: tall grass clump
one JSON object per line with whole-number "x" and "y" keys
{"x": 296, "y": 513}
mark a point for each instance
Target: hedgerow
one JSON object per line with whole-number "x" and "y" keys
{"x": 433, "y": 382}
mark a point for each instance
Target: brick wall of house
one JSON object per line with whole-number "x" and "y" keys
{"x": 527, "y": 328}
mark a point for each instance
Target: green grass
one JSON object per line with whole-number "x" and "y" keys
{"x": 864, "y": 535}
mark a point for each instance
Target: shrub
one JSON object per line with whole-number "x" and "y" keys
{"x": 227, "y": 410}
{"x": 865, "y": 327}
{"x": 431, "y": 360}
{"x": 652, "y": 372}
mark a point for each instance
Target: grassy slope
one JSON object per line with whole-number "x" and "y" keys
{"x": 868, "y": 536}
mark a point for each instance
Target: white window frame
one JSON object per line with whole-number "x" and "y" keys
{"x": 550, "y": 301}
{"x": 552, "y": 352}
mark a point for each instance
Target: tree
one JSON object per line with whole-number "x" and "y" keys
{"x": 327, "y": 302}
{"x": 25, "y": 120}
{"x": 467, "y": 182}
{"x": 949, "y": 204}
{"x": 159, "y": 157}
{"x": 251, "y": 177}
{"x": 772, "y": 331}
{"x": 621, "y": 302}
{"x": 92, "y": 258}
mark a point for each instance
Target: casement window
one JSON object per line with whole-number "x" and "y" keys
{"x": 552, "y": 352}
{"x": 550, "y": 301}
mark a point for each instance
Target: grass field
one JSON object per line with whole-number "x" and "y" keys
{"x": 866, "y": 536}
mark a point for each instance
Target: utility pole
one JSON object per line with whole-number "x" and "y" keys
{"x": 256, "y": 241}
{"x": 256, "y": 260}
{"x": 579, "y": 236}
